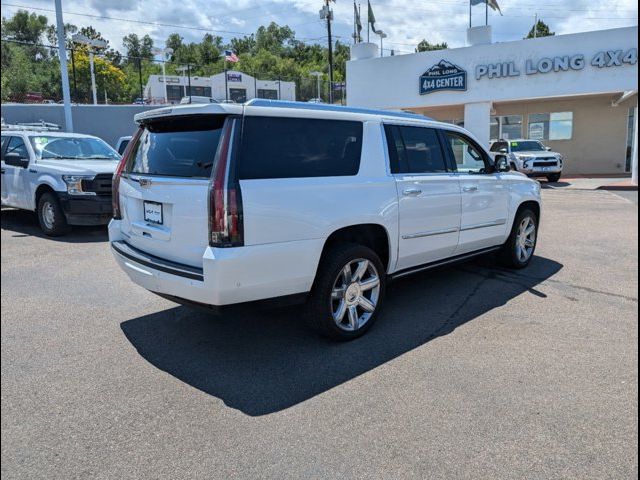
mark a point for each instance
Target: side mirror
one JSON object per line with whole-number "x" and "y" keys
{"x": 501, "y": 163}
{"x": 16, "y": 160}
{"x": 503, "y": 150}
{"x": 548, "y": 149}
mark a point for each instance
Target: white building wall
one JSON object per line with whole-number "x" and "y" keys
{"x": 393, "y": 82}
{"x": 154, "y": 89}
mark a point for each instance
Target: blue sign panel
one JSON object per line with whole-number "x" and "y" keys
{"x": 443, "y": 76}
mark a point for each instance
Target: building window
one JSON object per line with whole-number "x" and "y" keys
{"x": 199, "y": 91}
{"x": 175, "y": 93}
{"x": 551, "y": 126}
{"x": 507, "y": 126}
{"x": 238, "y": 95}
{"x": 268, "y": 93}
{"x": 630, "y": 129}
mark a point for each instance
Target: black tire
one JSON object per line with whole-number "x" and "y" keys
{"x": 510, "y": 255}
{"x": 513, "y": 167}
{"x": 50, "y": 215}
{"x": 554, "y": 178}
{"x": 321, "y": 306}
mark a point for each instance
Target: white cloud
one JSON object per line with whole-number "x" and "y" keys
{"x": 406, "y": 22}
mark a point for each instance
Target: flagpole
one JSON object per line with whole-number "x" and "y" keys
{"x": 470, "y": 8}
{"x": 226, "y": 79}
{"x": 486, "y": 12}
{"x": 355, "y": 27}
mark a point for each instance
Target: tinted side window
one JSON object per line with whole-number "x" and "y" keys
{"x": 414, "y": 150}
{"x": 16, "y": 145}
{"x": 469, "y": 158}
{"x": 497, "y": 146}
{"x": 299, "y": 147}
{"x": 123, "y": 146}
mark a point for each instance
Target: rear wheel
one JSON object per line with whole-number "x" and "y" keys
{"x": 518, "y": 251}
{"x": 348, "y": 292}
{"x": 554, "y": 177}
{"x": 50, "y": 215}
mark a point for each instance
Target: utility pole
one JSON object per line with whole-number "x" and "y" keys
{"x": 535, "y": 26}
{"x": 327, "y": 14}
{"x": 62, "y": 54}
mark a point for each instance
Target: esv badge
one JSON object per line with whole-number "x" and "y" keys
{"x": 443, "y": 76}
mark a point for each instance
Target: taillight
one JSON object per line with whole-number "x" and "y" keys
{"x": 225, "y": 199}
{"x": 115, "y": 184}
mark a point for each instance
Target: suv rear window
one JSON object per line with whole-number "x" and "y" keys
{"x": 274, "y": 147}
{"x": 177, "y": 146}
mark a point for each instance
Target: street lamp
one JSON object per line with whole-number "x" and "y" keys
{"x": 317, "y": 75}
{"x": 165, "y": 52}
{"x": 91, "y": 44}
{"x": 382, "y": 35}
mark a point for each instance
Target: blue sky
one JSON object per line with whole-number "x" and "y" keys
{"x": 405, "y": 21}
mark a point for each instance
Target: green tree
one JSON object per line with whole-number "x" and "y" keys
{"x": 137, "y": 47}
{"x": 27, "y": 28}
{"x": 540, "y": 29}
{"x": 425, "y": 46}
{"x": 274, "y": 38}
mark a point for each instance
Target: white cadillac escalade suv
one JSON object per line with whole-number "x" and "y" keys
{"x": 222, "y": 204}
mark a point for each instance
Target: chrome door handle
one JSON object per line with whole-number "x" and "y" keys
{"x": 412, "y": 192}
{"x": 470, "y": 189}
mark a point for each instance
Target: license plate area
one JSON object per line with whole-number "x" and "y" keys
{"x": 153, "y": 212}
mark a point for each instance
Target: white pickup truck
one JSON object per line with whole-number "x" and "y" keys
{"x": 64, "y": 177}
{"x": 221, "y": 204}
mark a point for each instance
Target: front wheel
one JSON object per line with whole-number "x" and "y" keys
{"x": 518, "y": 251}
{"x": 348, "y": 292}
{"x": 553, "y": 178}
{"x": 50, "y": 215}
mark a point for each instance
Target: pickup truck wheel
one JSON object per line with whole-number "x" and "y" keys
{"x": 554, "y": 178}
{"x": 348, "y": 292}
{"x": 50, "y": 215}
{"x": 518, "y": 251}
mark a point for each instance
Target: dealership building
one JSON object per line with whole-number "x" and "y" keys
{"x": 231, "y": 85}
{"x": 576, "y": 93}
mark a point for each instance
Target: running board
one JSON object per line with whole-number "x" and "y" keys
{"x": 440, "y": 263}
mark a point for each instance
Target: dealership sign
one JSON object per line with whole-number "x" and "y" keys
{"x": 604, "y": 59}
{"x": 234, "y": 77}
{"x": 443, "y": 76}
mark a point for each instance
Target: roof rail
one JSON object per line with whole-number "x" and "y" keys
{"x": 40, "y": 126}
{"x": 261, "y": 102}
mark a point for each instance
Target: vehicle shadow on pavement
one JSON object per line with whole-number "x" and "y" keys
{"x": 261, "y": 362}
{"x": 24, "y": 223}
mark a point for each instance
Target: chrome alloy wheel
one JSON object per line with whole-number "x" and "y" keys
{"x": 355, "y": 294}
{"x": 526, "y": 239}
{"x": 48, "y": 215}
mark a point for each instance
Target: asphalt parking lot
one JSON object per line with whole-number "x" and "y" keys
{"x": 471, "y": 372}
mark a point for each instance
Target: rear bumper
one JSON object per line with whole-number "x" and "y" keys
{"x": 86, "y": 210}
{"x": 228, "y": 275}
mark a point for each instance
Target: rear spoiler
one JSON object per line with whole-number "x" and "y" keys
{"x": 190, "y": 109}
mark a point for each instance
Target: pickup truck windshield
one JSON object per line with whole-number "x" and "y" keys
{"x": 530, "y": 146}
{"x": 72, "y": 148}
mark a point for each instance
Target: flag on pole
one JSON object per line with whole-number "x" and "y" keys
{"x": 230, "y": 56}
{"x": 493, "y": 4}
{"x": 372, "y": 19}
{"x": 358, "y": 23}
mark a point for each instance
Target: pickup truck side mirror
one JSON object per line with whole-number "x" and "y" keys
{"x": 16, "y": 160}
{"x": 501, "y": 163}
{"x": 503, "y": 150}
{"x": 548, "y": 149}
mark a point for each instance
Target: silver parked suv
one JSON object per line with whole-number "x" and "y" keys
{"x": 531, "y": 157}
